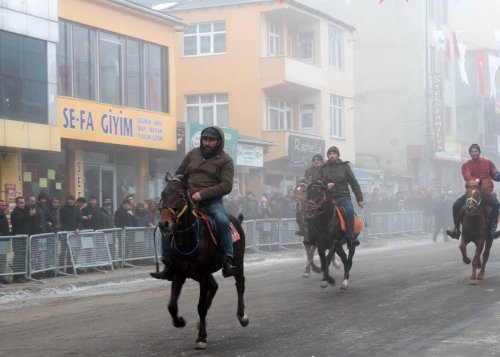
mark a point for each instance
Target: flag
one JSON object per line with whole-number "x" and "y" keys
{"x": 493, "y": 63}
{"x": 439, "y": 39}
{"x": 481, "y": 67}
{"x": 282, "y": 2}
{"x": 447, "y": 50}
{"x": 462, "y": 49}
{"x": 456, "y": 50}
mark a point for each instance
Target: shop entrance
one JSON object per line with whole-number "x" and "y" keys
{"x": 100, "y": 181}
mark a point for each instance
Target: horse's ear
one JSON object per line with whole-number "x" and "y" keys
{"x": 168, "y": 176}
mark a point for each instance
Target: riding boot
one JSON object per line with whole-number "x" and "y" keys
{"x": 354, "y": 241}
{"x": 165, "y": 274}
{"x": 494, "y": 233}
{"x": 228, "y": 269}
{"x": 455, "y": 232}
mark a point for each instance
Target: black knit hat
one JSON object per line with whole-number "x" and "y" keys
{"x": 474, "y": 146}
{"x": 333, "y": 149}
{"x": 210, "y": 132}
{"x": 317, "y": 157}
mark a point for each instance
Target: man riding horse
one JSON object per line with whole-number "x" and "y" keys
{"x": 211, "y": 173}
{"x": 339, "y": 176}
{"x": 478, "y": 168}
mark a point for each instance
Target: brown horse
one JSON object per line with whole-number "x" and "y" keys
{"x": 475, "y": 228}
{"x": 321, "y": 215}
{"x": 195, "y": 255}
{"x": 299, "y": 200}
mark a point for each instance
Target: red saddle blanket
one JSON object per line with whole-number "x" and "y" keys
{"x": 341, "y": 213}
{"x": 208, "y": 223}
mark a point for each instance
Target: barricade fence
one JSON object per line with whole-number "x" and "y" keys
{"x": 66, "y": 252}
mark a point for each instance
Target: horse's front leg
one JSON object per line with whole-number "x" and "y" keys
{"x": 347, "y": 262}
{"x": 325, "y": 266}
{"x": 463, "y": 249}
{"x": 240, "y": 289}
{"x": 208, "y": 288}
{"x": 175, "y": 292}
{"x": 486, "y": 256}
{"x": 476, "y": 261}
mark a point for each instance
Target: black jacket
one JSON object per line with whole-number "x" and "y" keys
{"x": 71, "y": 217}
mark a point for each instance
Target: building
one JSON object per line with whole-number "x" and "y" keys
{"x": 275, "y": 73}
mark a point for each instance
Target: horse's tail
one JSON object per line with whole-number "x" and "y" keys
{"x": 240, "y": 218}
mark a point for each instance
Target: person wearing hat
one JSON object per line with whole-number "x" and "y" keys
{"x": 339, "y": 176}
{"x": 211, "y": 173}
{"x": 312, "y": 171}
{"x": 477, "y": 168}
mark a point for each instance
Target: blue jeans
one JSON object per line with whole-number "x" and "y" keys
{"x": 217, "y": 211}
{"x": 460, "y": 202}
{"x": 347, "y": 204}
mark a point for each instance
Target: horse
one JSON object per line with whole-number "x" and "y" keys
{"x": 475, "y": 228}
{"x": 299, "y": 200}
{"x": 323, "y": 220}
{"x": 195, "y": 254}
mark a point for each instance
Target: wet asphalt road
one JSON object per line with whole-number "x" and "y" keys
{"x": 402, "y": 301}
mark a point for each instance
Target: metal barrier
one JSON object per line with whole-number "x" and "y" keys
{"x": 88, "y": 250}
{"x": 42, "y": 254}
{"x": 268, "y": 233}
{"x": 390, "y": 223}
{"x": 13, "y": 256}
{"x": 288, "y": 237}
{"x": 114, "y": 239}
{"x": 139, "y": 244}
{"x": 249, "y": 229}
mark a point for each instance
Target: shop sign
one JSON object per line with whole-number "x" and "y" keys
{"x": 250, "y": 155}
{"x": 10, "y": 192}
{"x": 111, "y": 124}
{"x": 230, "y": 139}
{"x": 302, "y": 149}
{"x": 437, "y": 113}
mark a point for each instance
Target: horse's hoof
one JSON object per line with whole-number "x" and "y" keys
{"x": 324, "y": 284}
{"x": 200, "y": 345}
{"x": 466, "y": 260}
{"x": 244, "y": 320}
{"x": 480, "y": 276}
{"x": 305, "y": 275}
{"x": 331, "y": 281}
{"x": 344, "y": 285}
{"x": 473, "y": 282}
{"x": 179, "y": 322}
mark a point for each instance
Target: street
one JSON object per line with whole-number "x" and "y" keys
{"x": 407, "y": 300}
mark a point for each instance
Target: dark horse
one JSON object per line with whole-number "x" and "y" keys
{"x": 322, "y": 219}
{"x": 475, "y": 228}
{"x": 195, "y": 255}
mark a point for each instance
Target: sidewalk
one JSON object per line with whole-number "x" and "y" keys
{"x": 93, "y": 278}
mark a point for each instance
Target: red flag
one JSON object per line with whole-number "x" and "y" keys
{"x": 282, "y": 2}
{"x": 481, "y": 66}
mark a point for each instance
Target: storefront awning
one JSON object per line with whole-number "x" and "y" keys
{"x": 362, "y": 177}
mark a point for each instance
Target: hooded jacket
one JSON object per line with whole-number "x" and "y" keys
{"x": 212, "y": 177}
{"x": 341, "y": 175}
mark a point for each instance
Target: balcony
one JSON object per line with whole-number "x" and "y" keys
{"x": 296, "y": 75}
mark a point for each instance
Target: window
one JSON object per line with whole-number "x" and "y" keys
{"x": 23, "y": 78}
{"x": 274, "y": 40}
{"x": 208, "y": 109}
{"x": 335, "y": 50}
{"x": 84, "y": 64}
{"x": 336, "y": 117}
{"x": 205, "y": 39}
{"x": 307, "y": 112}
{"x": 306, "y": 46}
{"x": 110, "y": 68}
{"x": 279, "y": 115}
{"x": 131, "y": 72}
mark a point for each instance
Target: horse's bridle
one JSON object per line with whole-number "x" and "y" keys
{"x": 475, "y": 202}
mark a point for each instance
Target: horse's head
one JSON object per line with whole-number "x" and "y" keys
{"x": 174, "y": 199}
{"x": 317, "y": 196}
{"x": 299, "y": 195}
{"x": 473, "y": 197}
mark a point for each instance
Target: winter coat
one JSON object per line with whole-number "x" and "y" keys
{"x": 124, "y": 219}
{"x": 212, "y": 177}
{"x": 71, "y": 217}
{"x": 19, "y": 220}
{"x": 341, "y": 175}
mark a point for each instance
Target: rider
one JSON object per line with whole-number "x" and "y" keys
{"x": 211, "y": 173}
{"x": 310, "y": 175}
{"x": 478, "y": 168}
{"x": 338, "y": 174}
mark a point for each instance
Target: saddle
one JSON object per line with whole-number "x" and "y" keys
{"x": 342, "y": 214}
{"x": 211, "y": 226}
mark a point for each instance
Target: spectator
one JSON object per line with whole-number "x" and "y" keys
{"x": 81, "y": 203}
{"x": 107, "y": 218}
{"x": 19, "y": 219}
{"x": 124, "y": 216}
{"x": 54, "y": 215}
{"x": 233, "y": 206}
{"x": 249, "y": 206}
{"x": 43, "y": 205}
{"x": 263, "y": 209}
{"x": 141, "y": 216}
{"x": 441, "y": 209}
{"x": 153, "y": 211}
{"x": 36, "y": 221}
{"x": 91, "y": 215}
{"x": 71, "y": 216}
{"x": 4, "y": 224}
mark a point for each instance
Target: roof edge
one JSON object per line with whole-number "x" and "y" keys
{"x": 149, "y": 11}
